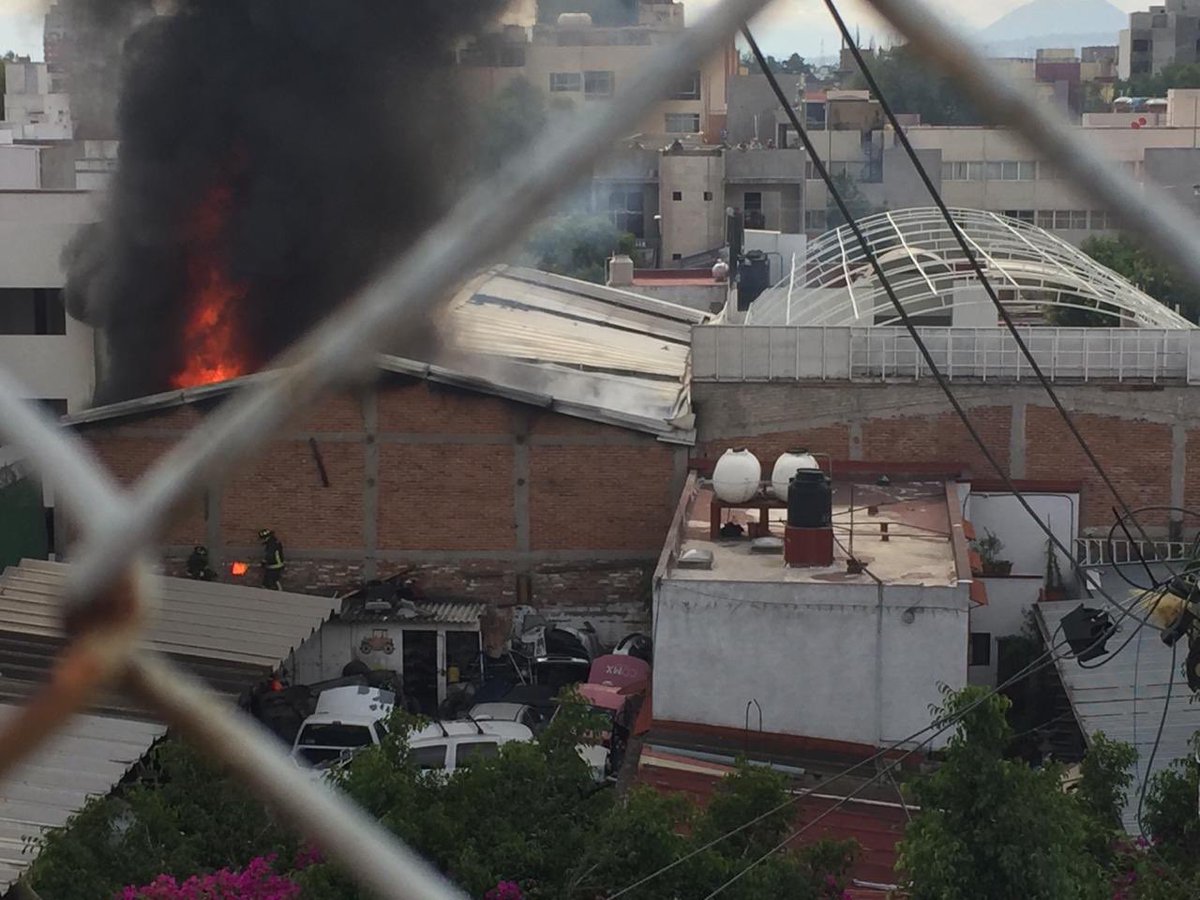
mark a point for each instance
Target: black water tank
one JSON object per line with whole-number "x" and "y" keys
{"x": 810, "y": 500}
{"x": 754, "y": 277}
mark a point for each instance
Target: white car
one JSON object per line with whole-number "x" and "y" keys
{"x": 447, "y": 746}
{"x": 346, "y": 720}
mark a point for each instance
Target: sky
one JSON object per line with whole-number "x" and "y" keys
{"x": 804, "y": 26}
{"x": 789, "y": 26}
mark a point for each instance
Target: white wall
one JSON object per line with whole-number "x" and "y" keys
{"x": 1024, "y": 541}
{"x": 35, "y": 228}
{"x": 822, "y": 660}
{"x": 1008, "y": 598}
{"x": 20, "y": 168}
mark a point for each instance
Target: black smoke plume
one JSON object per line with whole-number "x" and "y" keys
{"x": 331, "y": 127}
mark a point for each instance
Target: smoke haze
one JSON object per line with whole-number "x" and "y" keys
{"x": 331, "y": 124}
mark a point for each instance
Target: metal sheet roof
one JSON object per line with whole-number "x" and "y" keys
{"x": 204, "y": 620}
{"x": 451, "y": 612}
{"x": 581, "y": 349}
{"x": 1125, "y": 697}
{"x": 87, "y": 758}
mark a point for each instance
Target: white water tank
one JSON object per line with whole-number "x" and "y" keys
{"x": 736, "y": 476}
{"x": 786, "y": 467}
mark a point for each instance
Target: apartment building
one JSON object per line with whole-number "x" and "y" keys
{"x": 1159, "y": 37}
{"x": 52, "y": 355}
{"x": 585, "y": 57}
{"x": 35, "y": 108}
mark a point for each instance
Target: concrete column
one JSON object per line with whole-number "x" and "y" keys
{"x": 370, "y": 412}
{"x": 1178, "y": 478}
{"x": 1016, "y": 441}
{"x": 521, "y": 473}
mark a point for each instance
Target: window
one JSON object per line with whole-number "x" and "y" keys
{"x": 468, "y": 753}
{"x": 1045, "y": 218}
{"x": 597, "y": 84}
{"x": 566, "y": 81}
{"x": 815, "y": 220}
{"x": 708, "y": 195}
{"x": 1062, "y": 219}
{"x": 626, "y": 208}
{"x": 752, "y": 201}
{"x": 676, "y": 256}
{"x": 1022, "y": 215}
{"x": 1140, "y": 46}
{"x": 962, "y": 171}
{"x": 688, "y": 88}
{"x": 979, "y": 650}
{"x": 1079, "y": 219}
{"x": 682, "y": 123}
{"x": 32, "y": 311}
{"x": 676, "y": 195}
{"x": 431, "y": 757}
{"x": 1027, "y": 170}
{"x": 1102, "y": 221}
{"x": 335, "y": 735}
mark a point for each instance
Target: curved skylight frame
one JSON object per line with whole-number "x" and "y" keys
{"x": 834, "y": 285}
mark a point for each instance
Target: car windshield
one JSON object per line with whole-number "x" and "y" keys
{"x": 335, "y": 735}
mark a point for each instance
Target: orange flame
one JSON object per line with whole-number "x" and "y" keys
{"x": 239, "y": 568}
{"x": 210, "y": 337}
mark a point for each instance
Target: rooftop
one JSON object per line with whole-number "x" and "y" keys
{"x": 906, "y": 533}
{"x": 577, "y": 348}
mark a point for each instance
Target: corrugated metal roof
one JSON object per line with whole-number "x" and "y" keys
{"x": 582, "y": 349}
{"x": 451, "y": 612}
{"x": 1105, "y": 698}
{"x": 87, "y": 758}
{"x": 205, "y": 620}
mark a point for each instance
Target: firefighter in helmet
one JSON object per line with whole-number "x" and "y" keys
{"x": 272, "y": 562}
{"x": 198, "y": 568}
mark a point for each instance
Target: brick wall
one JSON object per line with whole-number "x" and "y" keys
{"x": 1148, "y": 441}
{"x": 476, "y": 494}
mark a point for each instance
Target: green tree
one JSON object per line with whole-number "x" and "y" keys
{"x": 531, "y": 815}
{"x": 1177, "y": 75}
{"x": 576, "y": 245}
{"x": 793, "y": 65}
{"x": 1130, "y": 259}
{"x": 180, "y": 817}
{"x": 912, "y": 86}
{"x": 991, "y": 827}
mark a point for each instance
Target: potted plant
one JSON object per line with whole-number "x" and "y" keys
{"x": 1053, "y": 588}
{"x": 989, "y": 547}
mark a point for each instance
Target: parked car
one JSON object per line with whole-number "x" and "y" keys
{"x": 504, "y": 711}
{"x": 448, "y": 746}
{"x": 346, "y": 720}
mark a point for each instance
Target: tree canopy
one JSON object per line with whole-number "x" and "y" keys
{"x": 508, "y": 121}
{"x": 531, "y": 818}
{"x": 912, "y": 86}
{"x": 1129, "y": 257}
{"x": 1176, "y": 75}
{"x": 793, "y": 65}
{"x": 576, "y": 245}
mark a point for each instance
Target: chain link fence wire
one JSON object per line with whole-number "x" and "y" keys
{"x": 111, "y": 591}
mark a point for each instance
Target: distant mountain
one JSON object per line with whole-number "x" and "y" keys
{"x": 1054, "y": 23}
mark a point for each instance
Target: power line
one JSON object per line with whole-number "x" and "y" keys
{"x": 881, "y": 275}
{"x": 973, "y": 259}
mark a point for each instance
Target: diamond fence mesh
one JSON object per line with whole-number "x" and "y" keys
{"x": 110, "y": 596}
